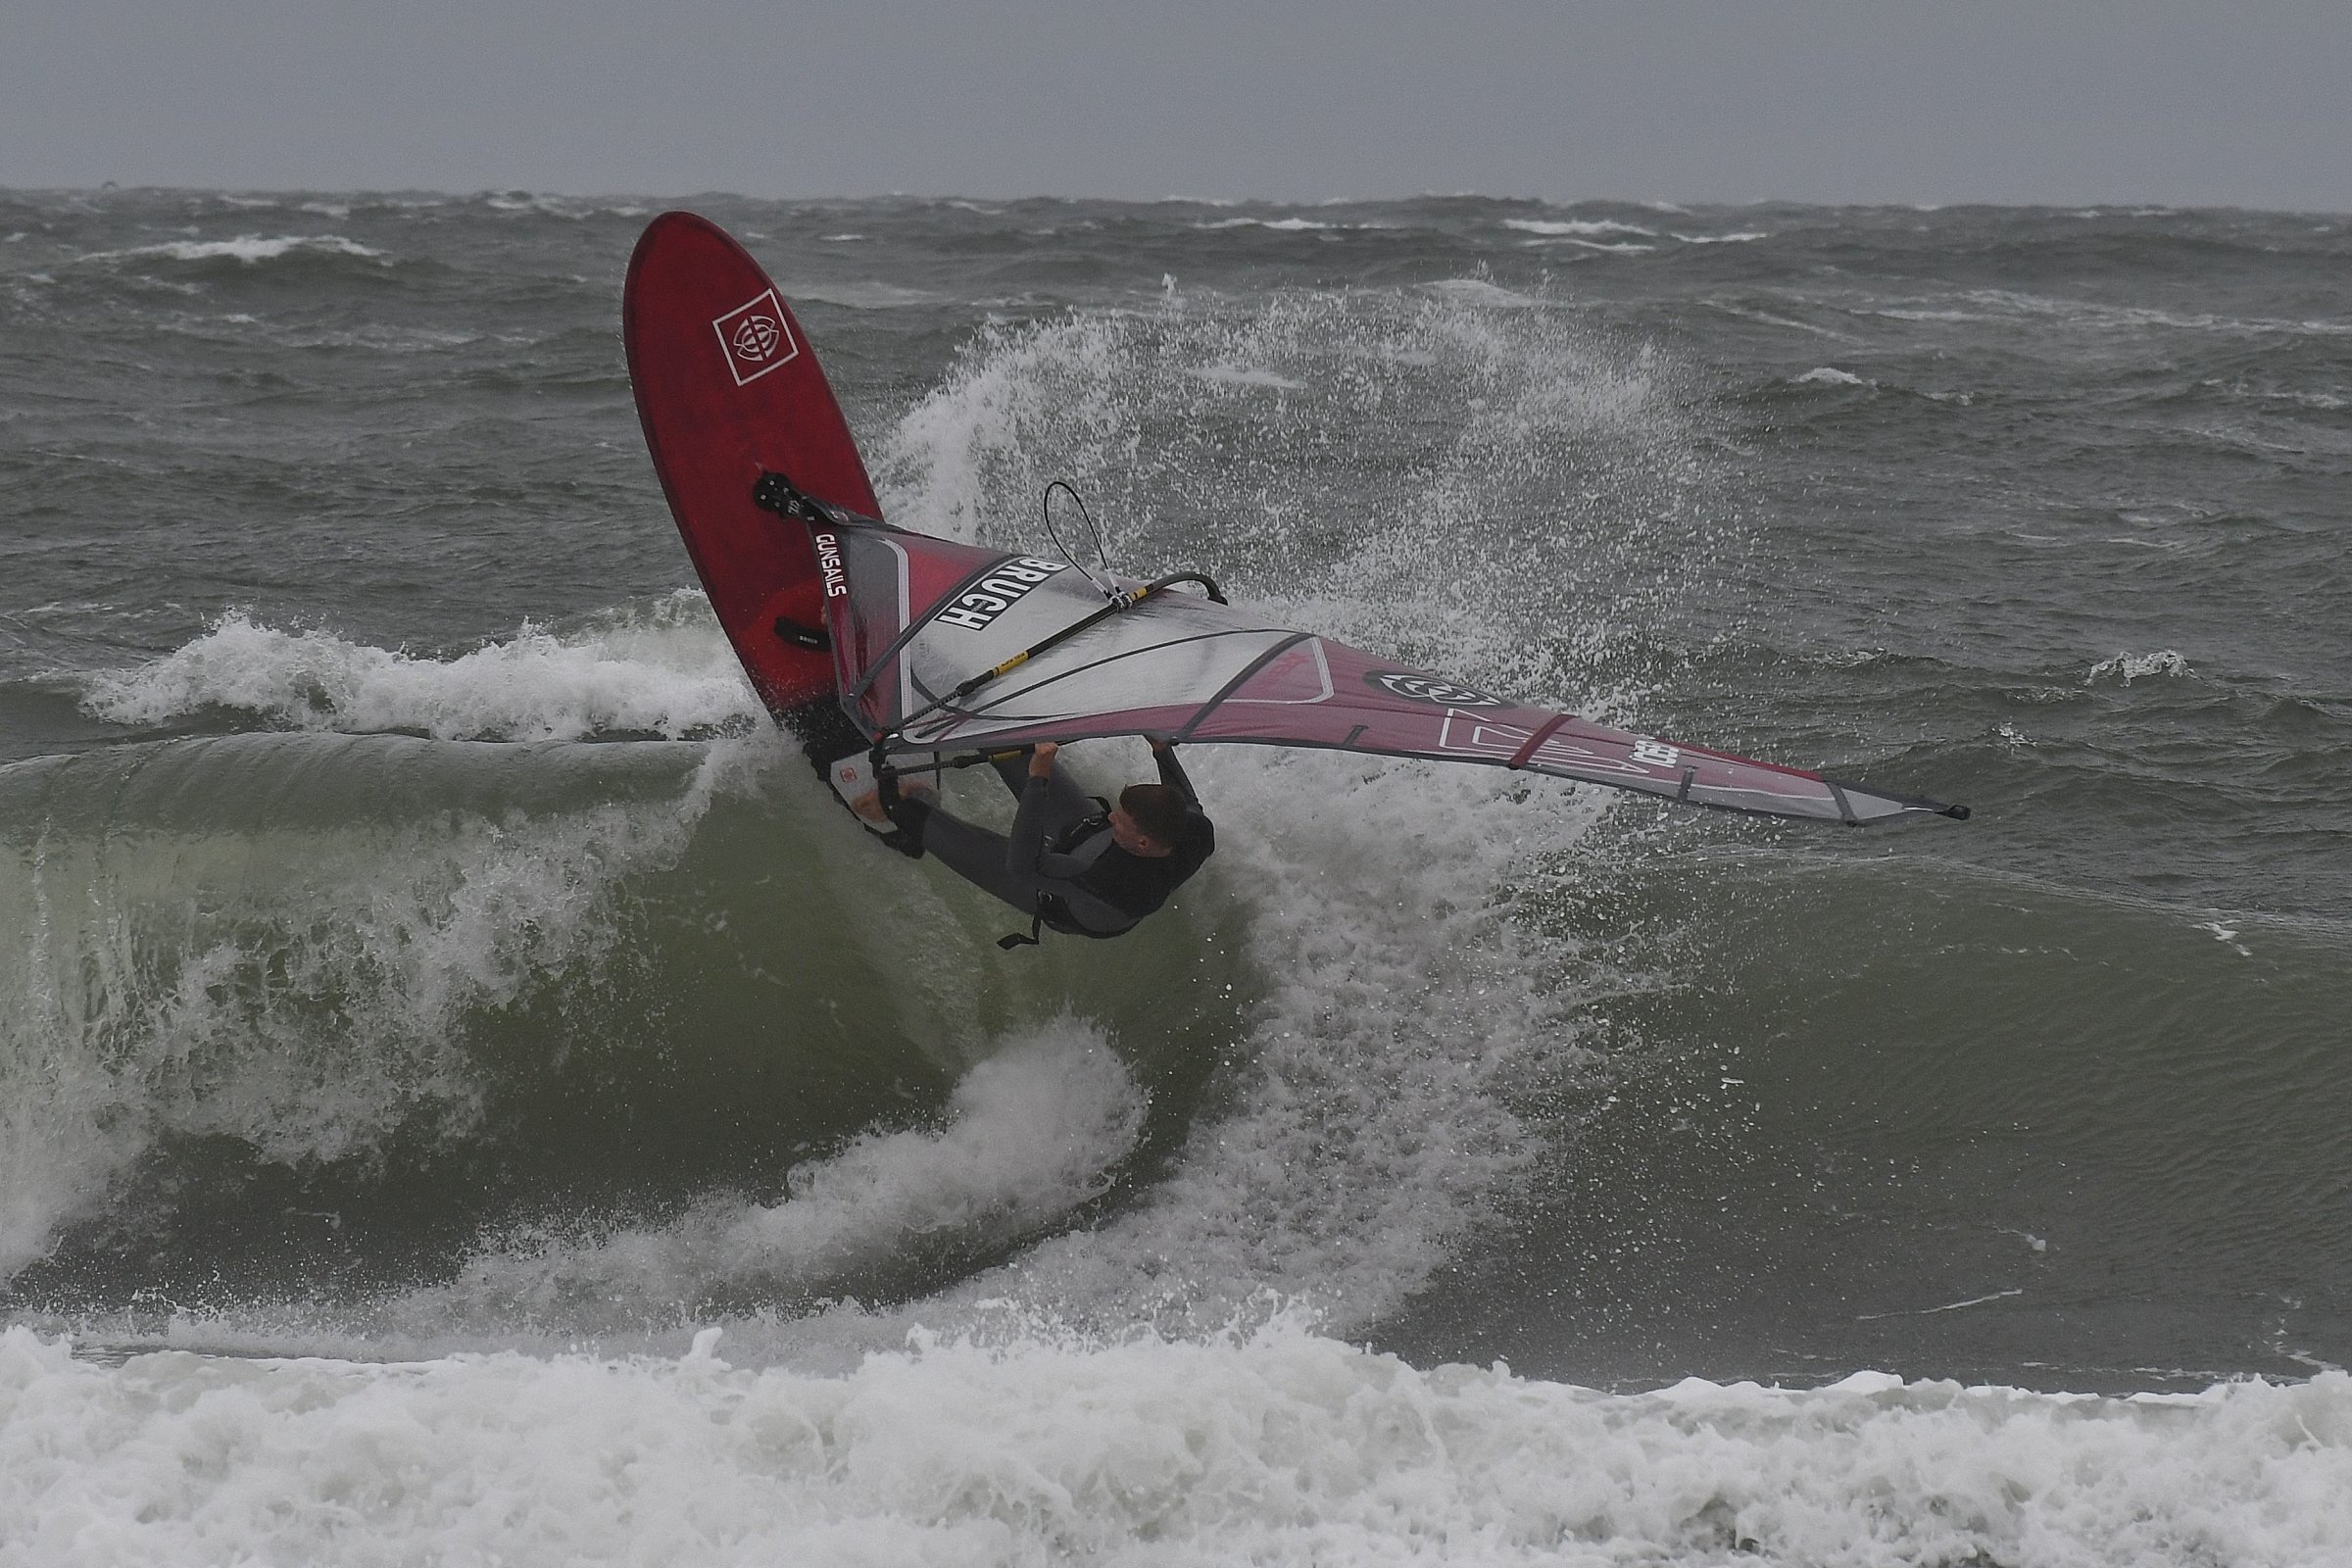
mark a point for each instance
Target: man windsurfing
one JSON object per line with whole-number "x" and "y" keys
{"x": 1072, "y": 863}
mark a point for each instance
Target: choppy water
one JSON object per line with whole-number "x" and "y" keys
{"x": 432, "y": 1002}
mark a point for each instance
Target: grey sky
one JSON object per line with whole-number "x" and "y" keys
{"x": 2247, "y": 104}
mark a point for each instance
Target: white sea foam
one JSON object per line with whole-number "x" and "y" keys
{"x": 1830, "y": 375}
{"x": 662, "y": 671}
{"x": 2227, "y": 936}
{"x": 1275, "y": 1448}
{"x": 1622, "y": 247}
{"x": 247, "y": 248}
{"x": 574, "y": 208}
{"x": 2128, "y": 667}
{"x": 1742, "y": 237}
{"x": 1586, "y": 229}
{"x": 1286, "y": 226}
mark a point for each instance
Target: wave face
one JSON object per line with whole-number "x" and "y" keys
{"x": 437, "y": 1003}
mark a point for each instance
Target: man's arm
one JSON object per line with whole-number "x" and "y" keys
{"x": 1025, "y": 845}
{"x": 1171, "y": 772}
{"x": 1025, "y": 851}
{"x": 1200, "y": 840}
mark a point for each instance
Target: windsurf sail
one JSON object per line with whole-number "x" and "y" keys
{"x": 940, "y": 646}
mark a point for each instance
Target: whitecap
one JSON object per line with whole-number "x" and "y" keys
{"x": 1622, "y": 247}
{"x": 246, "y": 248}
{"x": 1287, "y": 225}
{"x": 667, "y": 671}
{"x": 2128, "y": 667}
{"x": 1588, "y": 229}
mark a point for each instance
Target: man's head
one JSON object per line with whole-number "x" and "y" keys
{"x": 1148, "y": 819}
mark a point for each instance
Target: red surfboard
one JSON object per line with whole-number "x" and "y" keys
{"x": 727, "y": 389}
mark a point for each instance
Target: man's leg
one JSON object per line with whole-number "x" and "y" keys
{"x": 977, "y": 856}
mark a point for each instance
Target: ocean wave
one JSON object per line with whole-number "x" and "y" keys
{"x": 569, "y": 207}
{"x": 1286, "y": 226}
{"x": 1276, "y": 1447}
{"x": 665, "y": 671}
{"x": 1993, "y": 305}
{"x": 1587, "y": 228}
{"x": 1746, "y": 313}
{"x": 1374, "y": 1122}
{"x": 1034, "y": 1130}
{"x": 247, "y": 248}
{"x": 290, "y": 937}
{"x": 1605, "y": 247}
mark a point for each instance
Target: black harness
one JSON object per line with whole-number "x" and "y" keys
{"x": 1134, "y": 885}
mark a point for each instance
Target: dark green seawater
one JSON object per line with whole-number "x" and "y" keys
{"x": 415, "y": 938}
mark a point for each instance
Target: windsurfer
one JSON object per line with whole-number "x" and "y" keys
{"x": 1072, "y": 863}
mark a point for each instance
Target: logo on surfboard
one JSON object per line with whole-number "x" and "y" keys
{"x": 755, "y": 338}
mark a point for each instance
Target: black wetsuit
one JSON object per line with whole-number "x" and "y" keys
{"x": 1060, "y": 861}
